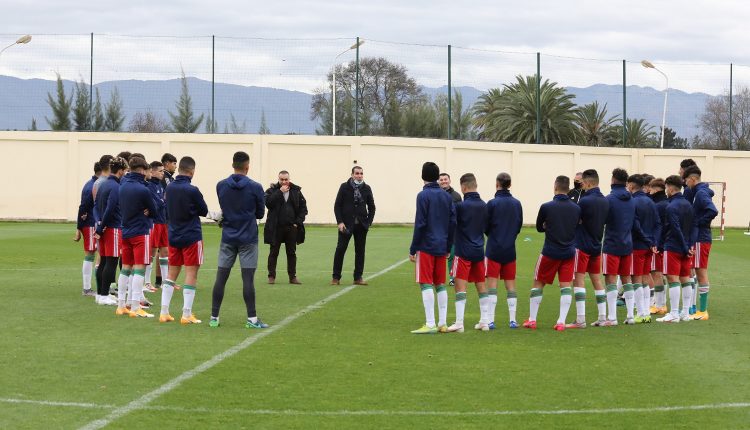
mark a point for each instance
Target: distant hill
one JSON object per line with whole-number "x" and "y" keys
{"x": 289, "y": 111}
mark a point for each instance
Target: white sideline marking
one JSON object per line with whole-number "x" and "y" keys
{"x": 143, "y": 401}
{"x": 380, "y": 412}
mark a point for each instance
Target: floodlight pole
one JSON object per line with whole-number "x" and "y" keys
{"x": 647, "y": 64}
{"x": 333, "y": 95}
{"x": 21, "y": 41}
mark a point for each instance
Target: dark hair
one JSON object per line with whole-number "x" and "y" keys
{"x": 444, "y": 174}
{"x": 97, "y": 168}
{"x": 562, "y": 183}
{"x": 637, "y": 180}
{"x": 117, "y": 164}
{"x": 503, "y": 179}
{"x": 469, "y": 180}
{"x": 168, "y": 158}
{"x": 691, "y": 171}
{"x": 687, "y": 163}
{"x": 620, "y": 176}
{"x": 430, "y": 172}
{"x": 674, "y": 181}
{"x": 137, "y": 154}
{"x": 590, "y": 175}
{"x": 657, "y": 183}
{"x": 357, "y": 167}
{"x": 187, "y": 164}
{"x": 283, "y": 172}
{"x": 647, "y": 178}
{"x": 125, "y": 154}
{"x": 105, "y": 161}
{"x": 240, "y": 159}
{"x": 156, "y": 164}
{"x": 138, "y": 163}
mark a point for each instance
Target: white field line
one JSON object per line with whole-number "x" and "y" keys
{"x": 143, "y": 401}
{"x": 380, "y": 412}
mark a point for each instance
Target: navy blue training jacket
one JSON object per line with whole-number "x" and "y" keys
{"x": 589, "y": 233}
{"x": 135, "y": 197}
{"x": 621, "y": 222}
{"x": 157, "y": 193}
{"x": 471, "y": 222}
{"x": 661, "y": 202}
{"x": 242, "y": 204}
{"x": 107, "y": 202}
{"x": 679, "y": 215}
{"x": 434, "y": 221}
{"x": 184, "y": 205}
{"x": 558, "y": 220}
{"x": 704, "y": 212}
{"x": 504, "y": 221}
{"x": 648, "y": 218}
{"x": 86, "y": 208}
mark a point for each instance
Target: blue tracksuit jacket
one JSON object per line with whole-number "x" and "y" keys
{"x": 622, "y": 222}
{"x": 589, "y": 233}
{"x": 504, "y": 221}
{"x": 107, "y": 203}
{"x": 242, "y": 204}
{"x": 135, "y": 197}
{"x": 86, "y": 208}
{"x": 471, "y": 222}
{"x": 184, "y": 205}
{"x": 704, "y": 212}
{"x": 679, "y": 215}
{"x": 434, "y": 221}
{"x": 558, "y": 219}
{"x": 648, "y": 218}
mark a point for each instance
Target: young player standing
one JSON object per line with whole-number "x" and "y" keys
{"x": 159, "y": 241}
{"x": 504, "y": 222}
{"x": 657, "y": 263}
{"x": 557, "y": 219}
{"x": 86, "y": 228}
{"x": 468, "y": 264}
{"x": 704, "y": 212}
{"x": 644, "y": 246}
{"x": 594, "y": 208}
{"x": 434, "y": 225}
{"x": 678, "y": 251}
{"x": 185, "y": 205}
{"x": 137, "y": 207}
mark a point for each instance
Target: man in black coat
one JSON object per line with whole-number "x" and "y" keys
{"x": 355, "y": 210}
{"x": 287, "y": 209}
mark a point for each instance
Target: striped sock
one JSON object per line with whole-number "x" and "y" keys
{"x": 512, "y": 300}
{"x": 611, "y": 301}
{"x": 580, "y": 296}
{"x": 638, "y": 298}
{"x": 87, "y": 270}
{"x": 136, "y": 289}
{"x": 167, "y": 289}
{"x": 534, "y": 302}
{"x": 703, "y": 295}
{"x": 484, "y": 307}
{"x": 629, "y": 296}
{"x": 601, "y": 303}
{"x": 428, "y": 302}
{"x": 122, "y": 288}
{"x": 493, "y": 303}
{"x": 188, "y": 296}
{"x": 687, "y": 297}
{"x": 460, "y": 307}
{"x": 565, "y": 299}
{"x": 164, "y": 266}
{"x": 442, "y": 300}
{"x": 674, "y": 298}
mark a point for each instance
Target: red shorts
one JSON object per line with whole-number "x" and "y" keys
{"x": 547, "y": 268}
{"x": 493, "y": 269}
{"x": 470, "y": 271}
{"x": 657, "y": 262}
{"x": 136, "y": 250}
{"x": 110, "y": 243}
{"x": 159, "y": 236}
{"x": 676, "y": 264}
{"x": 617, "y": 265}
{"x": 188, "y": 256}
{"x": 585, "y": 263}
{"x": 89, "y": 241}
{"x": 431, "y": 269}
{"x": 702, "y": 249}
{"x": 641, "y": 262}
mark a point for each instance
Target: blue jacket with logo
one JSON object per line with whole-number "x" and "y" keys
{"x": 86, "y": 208}
{"x": 558, "y": 220}
{"x": 649, "y": 220}
{"x": 589, "y": 233}
{"x": 157, "y": 193}
{"x": 135, "y": 197}
{"x": 242, "y": 204}
{"x": 504, "y": 222}
{"x": 679, "y": 215}
{"x": 704, "y": 212}
{"x": 622, "y": 222}
{"x": 107, "y": 203}
{"x": 184, "y": 205}
{"x": 434, "y": 221}
{"x": 471, "y": 222}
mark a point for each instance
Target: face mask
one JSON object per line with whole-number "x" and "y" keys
{"x": 358, "y": 182}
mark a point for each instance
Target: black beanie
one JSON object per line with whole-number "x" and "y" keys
{"x": 430, "y": 172}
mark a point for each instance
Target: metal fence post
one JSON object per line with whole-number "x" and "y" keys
{"x": 731, "y": 67}
{"x": 91, "y": 84}
{"x": 538, "y": 99}
{"x": 356, "y": 91}
{"x": 450, "y": 92}
{"x": 213, "y": 83}
{"x": 624, "y": 105}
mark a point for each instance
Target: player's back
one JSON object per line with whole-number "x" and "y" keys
{"x": 471, "y": 222}
{"x": 618, "y": 238}
{"x": 184, "y": 206}
{"x": 590, "y": 231}
{"x": 504, "y": 222}
{"x": 648, "y": 217}
{"x": 134, "y": 199}
{"x": 558, "y": 220}
{"x": 679, "y": 216}
{"x": 434, "y": 219}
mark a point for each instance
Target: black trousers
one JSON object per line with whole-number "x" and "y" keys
{"x": 286, "y": 235}
{"x": 360, "y": 238}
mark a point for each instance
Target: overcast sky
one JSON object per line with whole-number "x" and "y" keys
{"x": 666, "y": 32}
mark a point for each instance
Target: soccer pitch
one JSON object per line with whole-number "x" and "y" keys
{"x": 343, "y": 357}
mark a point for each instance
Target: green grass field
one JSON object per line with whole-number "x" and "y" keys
{"x": 351, "y": 361}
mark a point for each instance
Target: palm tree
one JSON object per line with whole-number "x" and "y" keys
{"x": 593, "y": 125}
{"x": 509, "y": 115}
{"x": 639, "y": 134}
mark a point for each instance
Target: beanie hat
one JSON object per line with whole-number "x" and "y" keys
{"x": 430, "y": 172}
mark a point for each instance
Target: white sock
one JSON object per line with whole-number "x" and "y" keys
{"x": 512, "y": 302}
{"x": 493, "y": 304}
{"x": 580, "y": 295}
{"x": 565, "y": 299}
{"x": 601, "y": 303}
{"x": 484, "y": 309}
{"x": 619, "y": 285}
{"x": 674, "y": 299}
{"x": 188, "y": 295}
{"x": 661, "y": 297}
{"x": 86, "y": 270}
{"x": 687, "y": 298}
{"x": 164, "y": 266}
{"x": 167, "y": 289}
{"x": 534, "y": 302}
{"x": 460, "y": 307}
{"x": 136, "y": 287}
{"x": 629, "y": 297}
{"x": 428, "y": 301}
{"x": 612, "y": 303}
{"x": 638, "y": 297}
{"x": 122, "y": 289}
{"x": 442, "y": 299}
{"x": 651, "y": 296}
{"x": 147, "y": 277}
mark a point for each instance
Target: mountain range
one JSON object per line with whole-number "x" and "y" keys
{"x": 289, "y": 111}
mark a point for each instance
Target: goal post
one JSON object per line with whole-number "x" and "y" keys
{"x": 720, "y": 201}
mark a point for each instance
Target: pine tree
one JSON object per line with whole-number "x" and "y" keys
{"x": 263, "y": 127}
{"x": 113, "y": 116}
{"x": 184, "y": 121}
{"x": 211, "y": 124}
{"x": 60, "y": 108}
{"x": 97, "y": 120}
{"x": 82, "y": 108}
{"x": 33, "y": 124}
{"x": 236, "y": 128}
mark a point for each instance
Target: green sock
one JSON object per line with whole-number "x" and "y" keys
{"x": 703, "y": 297}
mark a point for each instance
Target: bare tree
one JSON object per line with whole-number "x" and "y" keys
{"x": 714, "y": 122}
{"x": 147, "y": 122}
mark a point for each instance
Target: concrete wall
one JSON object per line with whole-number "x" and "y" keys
{"x": 43, "y": 171}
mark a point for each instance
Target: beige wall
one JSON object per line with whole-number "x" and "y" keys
{"x": 43, "y": 171}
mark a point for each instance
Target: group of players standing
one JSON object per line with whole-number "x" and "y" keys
{"x": 645, "y": 229}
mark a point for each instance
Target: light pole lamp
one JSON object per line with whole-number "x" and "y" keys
{"x": 21, "y": 41}
{"x": 333, "y": 95}
{"x": 649, "y": 65}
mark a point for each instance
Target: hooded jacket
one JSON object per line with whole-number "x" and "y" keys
{"x": 275, "y": 204}
{"x": 504, "y": 222}
{"x": 185, "y": 205}
{"x": 661, "y": 201}
{"x": 107, "y": 203}
{"x": 704, "y": 212}
{"x": 649, "y": 220}
{"x": 434, "y": 221}
{"x": 589, "y": 233}
{"x": 157, "y": 193}
{"x": 135, "y": 197}
{"x": 85, "y": 216}
{"x": 471, "y": 222}
{"x": 622, "y": 222}
{"x": 558, "y": 219}
{"x": 242, "y": 204}
{"x": 679, "y": 215}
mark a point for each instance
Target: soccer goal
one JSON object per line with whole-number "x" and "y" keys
{"x": 720, "y": 201}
